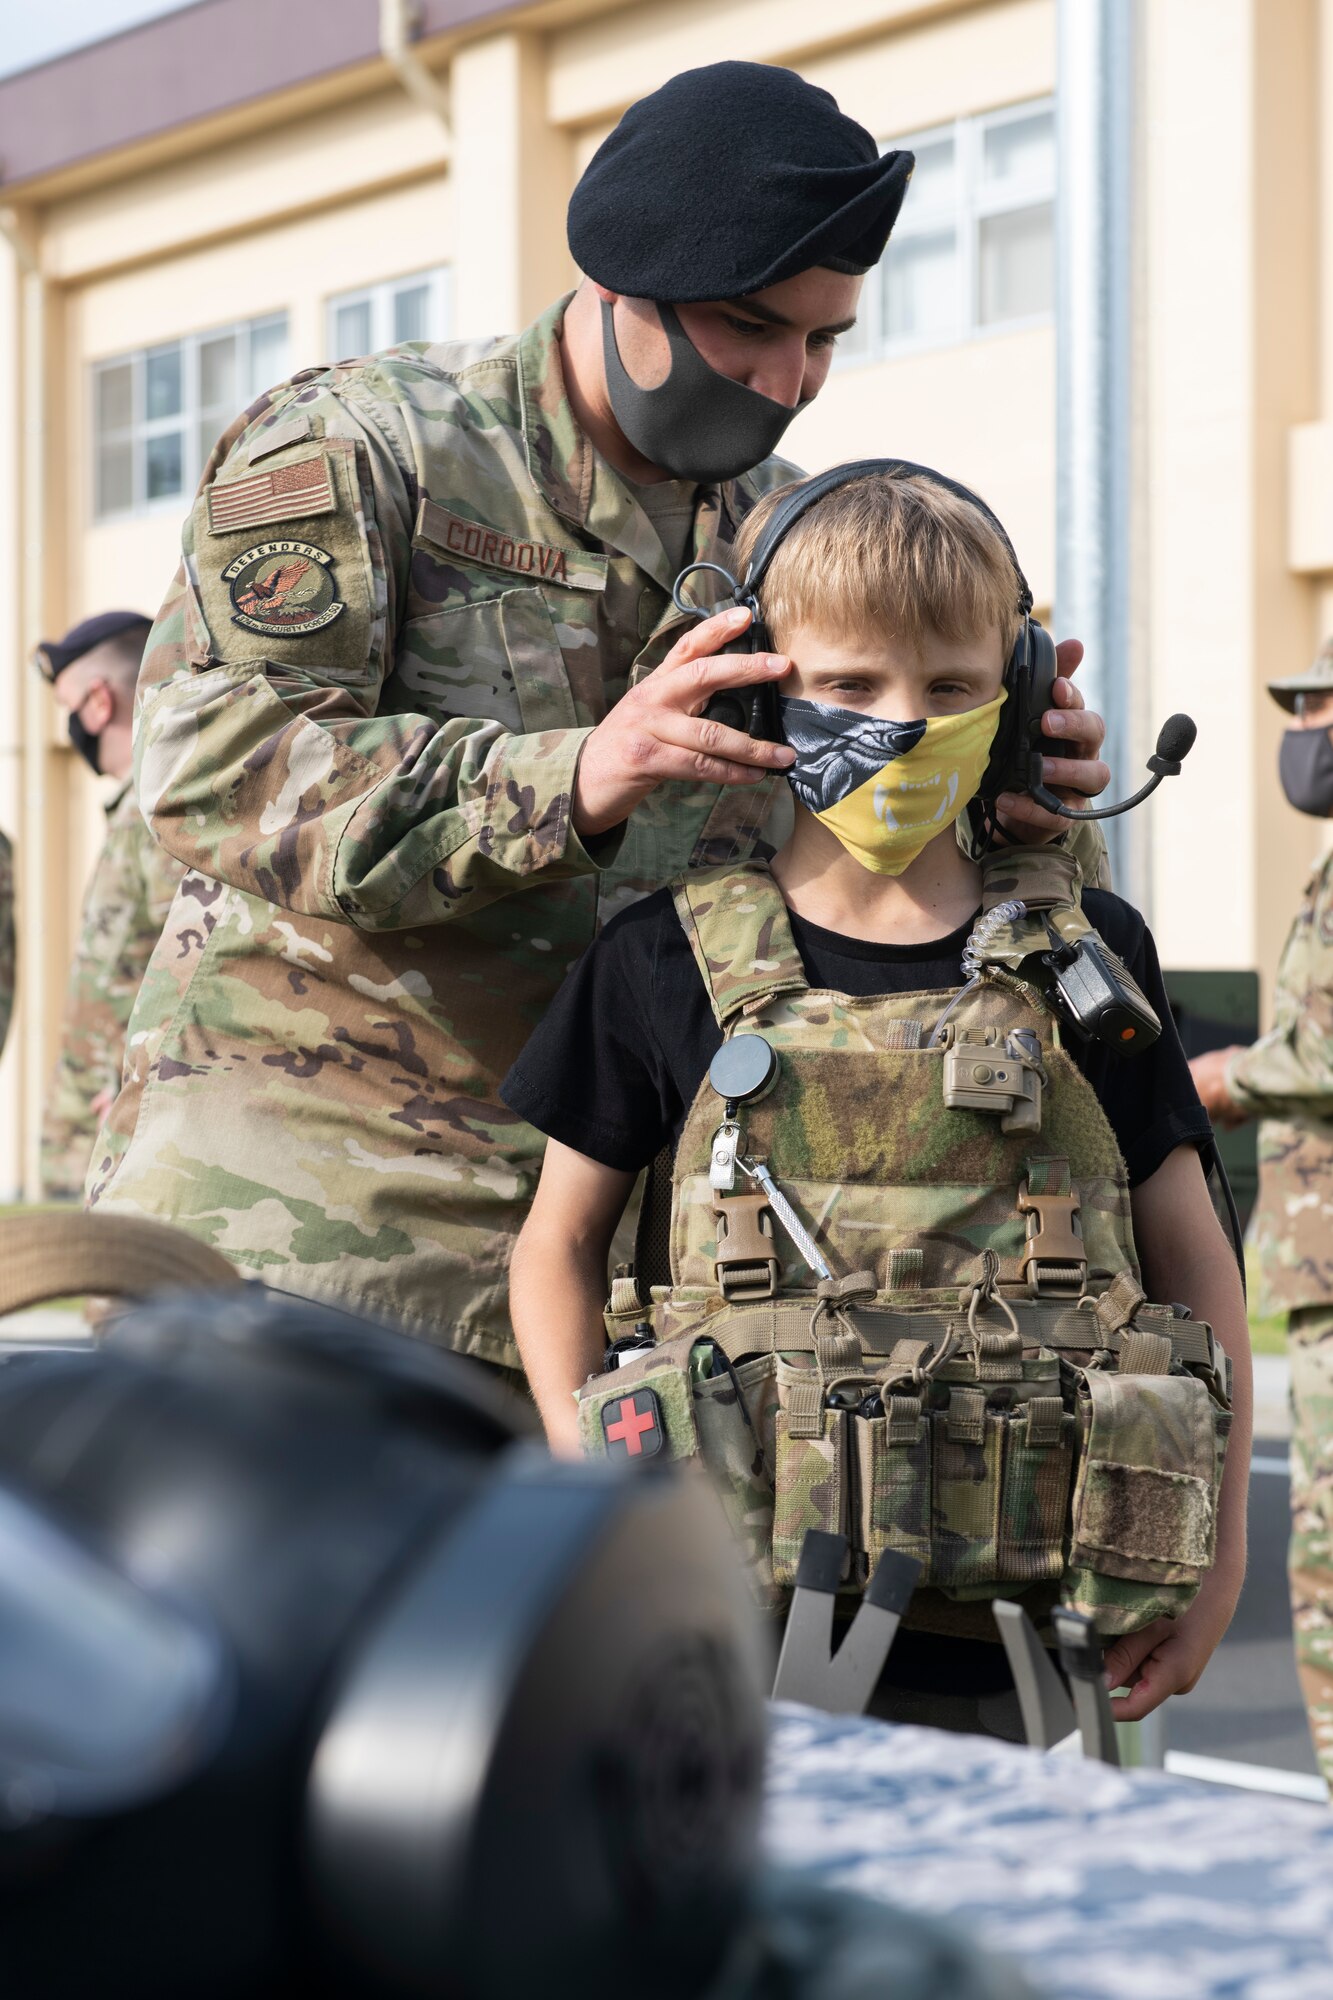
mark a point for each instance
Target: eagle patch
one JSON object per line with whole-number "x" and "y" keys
{"x": 283, "y": 588}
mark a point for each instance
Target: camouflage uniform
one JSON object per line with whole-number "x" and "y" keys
{"x": 7, "y": 954}
{"x": 410, "y": 588}
{"x": 124, "y": 909}
{"x": 1287, "y": 1080}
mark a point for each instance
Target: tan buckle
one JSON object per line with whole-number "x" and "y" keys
{"x": 747, "y": 1264}
{"x": 1054, "y": 1258}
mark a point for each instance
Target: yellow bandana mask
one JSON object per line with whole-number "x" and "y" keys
{"x": 885, "y": 789}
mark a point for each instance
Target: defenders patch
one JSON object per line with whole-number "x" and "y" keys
{"x": 283, "y": 589}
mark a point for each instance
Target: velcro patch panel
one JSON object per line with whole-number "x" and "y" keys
{"x": 294, "y": 492}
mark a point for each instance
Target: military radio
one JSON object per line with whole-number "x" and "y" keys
{"x": 1099, "y": 997}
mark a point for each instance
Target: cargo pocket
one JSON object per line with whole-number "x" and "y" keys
{"x": 649, "y": 1415}
{"x": 893, "y": 1468}
{"x": 1144, "y": 1528}
{"x": 1038, "y": 1474}
{"x": 810, "y": 1467}
{"x": 733, "y": 1415}
{"x": 967, "y": 1470}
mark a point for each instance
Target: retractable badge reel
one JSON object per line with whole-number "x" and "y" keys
{"x": 743, "y": 1070}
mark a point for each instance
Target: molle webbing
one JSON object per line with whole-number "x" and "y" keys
{"x": 784, "y": 1326}
{"x": 1048, "y": 1176}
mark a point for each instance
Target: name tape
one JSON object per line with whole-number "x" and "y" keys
{"x": 541, "y": 562}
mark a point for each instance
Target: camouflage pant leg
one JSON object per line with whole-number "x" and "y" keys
{"x": 1311, "y": 1556}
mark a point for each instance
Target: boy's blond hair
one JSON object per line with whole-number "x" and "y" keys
{"x": 889, "y": 552}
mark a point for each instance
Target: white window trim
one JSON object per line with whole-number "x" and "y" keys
{"x": 970, "y": 204}
{"x": 187, "y": 419}
{"x": 380, "y": 297}
{"x": 1009, "y": 201}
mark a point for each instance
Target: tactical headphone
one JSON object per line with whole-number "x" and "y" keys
{"x": 1029, "y": 676}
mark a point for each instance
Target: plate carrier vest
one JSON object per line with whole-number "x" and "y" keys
{"x": 981, "y": 1383}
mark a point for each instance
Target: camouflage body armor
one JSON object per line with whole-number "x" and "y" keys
{"x": 980, "y": 1382}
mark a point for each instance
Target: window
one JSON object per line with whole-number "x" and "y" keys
{"x": 412, "y": 308}
{"x": 158, "y": 414}
{"x": 974, "y": 248}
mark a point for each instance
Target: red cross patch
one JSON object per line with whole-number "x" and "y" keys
{"x": 632, "y": 1425}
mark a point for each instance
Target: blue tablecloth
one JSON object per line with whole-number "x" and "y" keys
{"x": 1100, "y": 1884}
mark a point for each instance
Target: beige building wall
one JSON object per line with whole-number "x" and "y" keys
{"x": 1235, "y": 384}
{"x": 1231, "y": 347}
{"x": 280, "y": 220}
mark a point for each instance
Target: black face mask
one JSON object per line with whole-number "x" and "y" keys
{"x": 1305, "y": 768}
{"x": 87, "y": 744}
{"x": 696, "y": 424}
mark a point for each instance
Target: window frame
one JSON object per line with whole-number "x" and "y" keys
{"x": 971, "y": 205}
{"x": 187, "y": 420}
{"x": 1033, "y": 194}
{"x": 379, "y": 295}
{"x": 924, "y": 223}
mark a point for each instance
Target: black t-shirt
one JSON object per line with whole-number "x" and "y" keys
{"x": 618, "y": 1059}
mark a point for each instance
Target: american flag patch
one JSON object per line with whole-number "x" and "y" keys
{"x": 282, "y": 493}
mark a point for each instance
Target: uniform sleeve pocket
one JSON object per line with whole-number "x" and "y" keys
{"x": 284, "y": 587}
{"x": 495, "y": 659}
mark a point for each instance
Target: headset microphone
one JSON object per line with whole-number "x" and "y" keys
{"x": 1175, "y": 740}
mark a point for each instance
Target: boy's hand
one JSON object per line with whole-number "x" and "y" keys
{"x": 1168, "y": 1656}
{"x": 1075, "y": 778}
{"x": 657, "y": 731}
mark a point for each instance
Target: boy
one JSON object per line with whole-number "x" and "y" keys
{"x": 895, "y": 597}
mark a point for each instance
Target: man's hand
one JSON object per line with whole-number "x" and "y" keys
{"x": 1210, "y": 1080}
{"x": 657, "y": 731}
{"x": 103, "y": 1102}
{"x": 1076, "y": 778}
{"x": 1168, "y": 1656}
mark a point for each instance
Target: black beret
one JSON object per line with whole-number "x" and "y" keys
{"x": 728, "y": 179}
{"x": 57, "y": 654}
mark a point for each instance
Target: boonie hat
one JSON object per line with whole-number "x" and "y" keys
{"x": 1317, "y": 679}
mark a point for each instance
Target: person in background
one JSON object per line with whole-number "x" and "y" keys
{"x": 92, "y": 672}
{"x": 1286, "y": 1080}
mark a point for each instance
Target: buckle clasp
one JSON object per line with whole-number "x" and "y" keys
{"x": 1054, "y": 1256}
